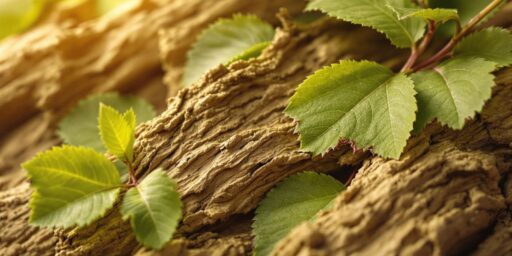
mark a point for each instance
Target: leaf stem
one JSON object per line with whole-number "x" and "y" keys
{"x": 131, "y": 173}
{"x": 447, "y": 49}
{"x": 416, "y": 52}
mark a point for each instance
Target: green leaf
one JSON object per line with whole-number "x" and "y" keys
{"x": 439, "y": 15}
{"x": 18, "y": 15}
{"x": 80, "y": 126}
{"x": 130, "y": 118}
{"x": 116, "y": 133}
{"x": 154, "y": 209}
{"x": 222, "y": 41}
{"x": 360, "y": 101}
{"x": 492, "y": 44}
{"x": 73, "y": 186}
{"x": 375, "y": 14}
{"x": 466, "y": 10}
{"x": 296, "y": 199}
{"x": 250, "y": 53}
{"x": 453, "y": 91}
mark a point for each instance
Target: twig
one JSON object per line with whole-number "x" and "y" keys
{"x": 418, "y": 51}
{"x": 447, "y": 49}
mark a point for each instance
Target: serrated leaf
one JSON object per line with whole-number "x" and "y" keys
{"x": 453, "y": 92}
{"x": 492, "y": 44}
{"x": 439, "y": 15}
{"x": 360, "y": 101}
{"x": 222, "y": 41}
{"x": 253, "y": 52}
{"x": 80, "y": 126}
{"x": 18, "y": 15}
{"x": 154, "y": 209}
{"x": 296, "y": 199}
{"x": 375, "y": 14}
{"x": 466, "y": 10}
{"x": 73, "y": 186}
{"x": 130, "y": 118}
{"x": 116, "y": 133}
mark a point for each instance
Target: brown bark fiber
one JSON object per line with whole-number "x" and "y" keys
{"x": 226, "y": 141}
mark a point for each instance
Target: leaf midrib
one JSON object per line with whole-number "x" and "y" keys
{"x": 445, "y": 80}
{"x": 116, "y": 133}
{"x": 73, "y": 175}
{"x": 411, "y": 40}
{"x": 352, "y": 108}
{"x": 150, "y": 212}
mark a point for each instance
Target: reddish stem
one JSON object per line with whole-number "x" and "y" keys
{"x": 447, "y": 49}
{"x": 418, "y": 51}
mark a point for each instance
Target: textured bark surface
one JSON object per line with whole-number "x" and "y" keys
{"x": 442, "y": 198}
{"x": 46, "y": 70}
{"x": 226, "y": 141}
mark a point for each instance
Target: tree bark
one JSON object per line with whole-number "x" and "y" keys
{"x": 226, "y": 142}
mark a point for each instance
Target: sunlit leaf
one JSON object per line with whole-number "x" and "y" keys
{"x": 80, "y": 126}
{"x": 362, "y": 102}
{"x": 73, "y": 186}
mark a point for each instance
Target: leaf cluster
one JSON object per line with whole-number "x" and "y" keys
{"x": 376, "y": 108}
{"x": 75, "y": 185}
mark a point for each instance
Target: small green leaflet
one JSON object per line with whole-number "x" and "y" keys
{"x": 296, "y": 199}
{"x": 453, "y": 92}
{"x": 438, "y": 14}
{"x": 492, "y": 44}
{"x": 18, "y": 15}
{"x": 117, "y": 131}
{"x": 223, "y": 41}
{"x": 466, "y": 10}
{"x": 80, "y": 126}
{"x": 375, "y": 14}
{"x": 73, "y": 186}
{"x": 154, "y": 209}
{"x": 360, "y": 101}
{"x": 250, "y": 53}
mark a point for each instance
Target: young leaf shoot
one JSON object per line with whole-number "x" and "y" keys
{"x": 79, "y": 127}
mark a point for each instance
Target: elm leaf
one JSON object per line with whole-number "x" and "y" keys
{"x": 80, "y": 126}
{"x": 154, "y": 209}
{"x": 453, "y": 91}
{"x": 223, "y": 41}
{"x": 73, "y": 186}
{"x": 296, "y": 199}
{"x": 117, "y": 132}
{"x": 375, "y": 14}
{"x": 439, "y": 15}
{"x": 492, "y": 44}
{"x": 364, "y": 102}
{"x": 466, "y": 9}
{"x": 253, "y": 52}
